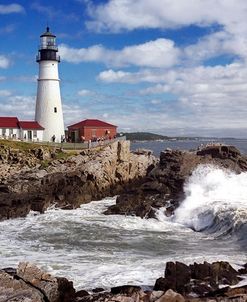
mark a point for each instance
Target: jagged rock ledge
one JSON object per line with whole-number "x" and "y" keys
{"x": 198, "y": 282}
{"x": 28, "y": 184}
{"x": 163, "y": 185}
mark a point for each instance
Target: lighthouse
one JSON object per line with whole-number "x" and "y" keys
{"x": 48, "y": 112}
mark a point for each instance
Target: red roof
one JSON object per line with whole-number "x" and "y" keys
{"x": 91, "y": 123}
{"x": 9, "y": 122}
{"x": 13, "y": 122}
{"x": 30, "y": 125}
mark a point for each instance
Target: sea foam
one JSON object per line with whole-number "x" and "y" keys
{"x": 97, "y": 250}
{"x": 216, "y": 201}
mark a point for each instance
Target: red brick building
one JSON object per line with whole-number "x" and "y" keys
{"x": 91, "y": 130}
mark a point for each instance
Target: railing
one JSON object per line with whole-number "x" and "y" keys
{"x": 54, "y": 47}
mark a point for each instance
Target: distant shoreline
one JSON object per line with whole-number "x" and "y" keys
{"x": 147, "y": 136}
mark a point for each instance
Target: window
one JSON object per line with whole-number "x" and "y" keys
{"x": 4, "y": 131}
{"x": 34, "y": 133}
{"x": 55, "y": 109}
{"x": 10, "y": 132}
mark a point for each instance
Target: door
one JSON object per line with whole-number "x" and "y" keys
{"x": 29, "y": 135}
{"x": 72, "y": 136}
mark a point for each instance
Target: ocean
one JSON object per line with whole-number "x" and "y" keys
{"x": 158, "y": 146}
{"x": 95, "y": 250}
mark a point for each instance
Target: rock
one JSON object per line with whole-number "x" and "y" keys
{"x": 201, "y": 271}
{"x": 70, "y": 183}
{"x": 30, "y": 284}
{"x": 243, "y": 270}
{"x": 123, "y": 151}
{"x": 13, "y": 290}
{"x": 200, "y": 279}
{"x": 125, "y": 289}
{"x": 177, "y": 278}
{"x": 98, "y": 290}
{"x": 41, "y": 153}
{"x": 155, "y": 295}
{"x": 220, "y": 151}
{"x": 54, "y": 289}
{"x": 4, "y": 189}
{"x": 143, "y": 151}
{"x": 224, "y": 273}
{"x": 171, "y": 296}
{"x": 81, "y": 293}
{"x": 9, "y": 270}
{"x": 237, "y": 292}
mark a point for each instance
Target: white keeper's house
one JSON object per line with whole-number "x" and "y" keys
{"x": 48, "y": 124}
{"x": 12, "y": 128}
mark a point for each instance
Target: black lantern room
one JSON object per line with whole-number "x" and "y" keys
{"x": 48, "y": 48}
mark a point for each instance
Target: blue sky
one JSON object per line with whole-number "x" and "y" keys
{"x": 171, "y": 67}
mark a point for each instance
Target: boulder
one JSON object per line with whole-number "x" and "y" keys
{"x": 171, "y": 296}
{"x": 202, "y": 279}
{"x": 53, "y": 288}
{"x": 13, "y": 290}
{"x": 177, "y": 278}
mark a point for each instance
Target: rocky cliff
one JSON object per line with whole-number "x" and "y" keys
{"x": 163, "y": 185}
{"x": 33, "y": 183}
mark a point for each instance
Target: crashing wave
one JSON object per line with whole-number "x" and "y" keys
{"x": 216, "y": 202}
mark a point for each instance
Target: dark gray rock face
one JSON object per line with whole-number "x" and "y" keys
{"x": 163, "y": 185}
{"x": 202, "y": 279}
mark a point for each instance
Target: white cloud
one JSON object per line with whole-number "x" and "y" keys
{"x": 85, "y": 92}
{"x": 143, "y": 75}
{"x": 117, "y": 15}
{"x": 230, "y": 15}
{"x": 105, "y": 115}
{"x": 214, "y": 96}
{"x": 111, "y": 76}
{"x": 11, "y": 8}
{"x": 157, "y": 53}
{"x": 155, "y": 101}
{"x": 74, "y": 113}
{"x": 4, "y": 93}
{"x": 215, "y": 45}
{"x": 4, "y": 61}
{"x": 17, "y": 105}
{"x": 205, "y": 100}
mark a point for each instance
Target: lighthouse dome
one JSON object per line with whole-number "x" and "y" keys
{"x": 47, "y": 33}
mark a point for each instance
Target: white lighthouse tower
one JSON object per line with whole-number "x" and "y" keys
{"x": 48, "y": 111}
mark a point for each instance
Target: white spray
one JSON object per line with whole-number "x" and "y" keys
{"x": 213, "y": 193}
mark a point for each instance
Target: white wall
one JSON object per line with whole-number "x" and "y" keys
{"x": 48, "y": 98}
{"x": 10, "y": 133}
{"x": 38, "y": 138}
{"x": 20, "y": 134}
